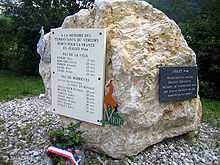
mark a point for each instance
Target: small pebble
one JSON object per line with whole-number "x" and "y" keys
{"x": 25, "y": 124}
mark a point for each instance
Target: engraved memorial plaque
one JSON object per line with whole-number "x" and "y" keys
{"x": 77, "y": 71}
{"x": 177, "y": 83}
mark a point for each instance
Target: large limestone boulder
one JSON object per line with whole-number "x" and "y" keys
{"x": 140, "y": 39}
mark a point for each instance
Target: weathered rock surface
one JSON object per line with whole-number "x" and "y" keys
{"x": 140, "y": 39}
{"x": 24, "y": 126}
{"x": 44, "y": 66}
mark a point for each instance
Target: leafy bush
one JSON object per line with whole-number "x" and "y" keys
{"x": 204, "y": 32}
{"x": 199, "y": 20}
{"x": 8, "y": 45}
{"x": 27, "y": 18}
{"x": 67, "y": 138}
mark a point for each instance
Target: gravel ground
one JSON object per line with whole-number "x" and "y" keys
{"x": 24, "y": 125}
{"x": 23, "y": 140}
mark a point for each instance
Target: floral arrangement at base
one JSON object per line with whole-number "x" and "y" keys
{"x": 66, "y": 145}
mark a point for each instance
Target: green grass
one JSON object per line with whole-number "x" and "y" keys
{"x": 211, "y": 112}
{"x": 17, "y": 86}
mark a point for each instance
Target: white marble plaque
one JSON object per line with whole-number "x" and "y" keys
{"x": 77, "y": 71}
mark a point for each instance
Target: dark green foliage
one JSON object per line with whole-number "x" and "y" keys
{"x": 21, "y": 23}
{"x": 67, "y": 137}
{"x": 27, "y": 18}
{"x": 200, "y": 24}
{"x": 59, "y": 161}
{"x": 8, "y": 45}
{"x": 204, "y": 32}
{"x": 178, "y": 10}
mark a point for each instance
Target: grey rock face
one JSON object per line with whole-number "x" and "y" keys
{"x": 140, "y": 39}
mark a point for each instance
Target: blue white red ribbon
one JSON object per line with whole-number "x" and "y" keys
{"x": 63, "y": 153}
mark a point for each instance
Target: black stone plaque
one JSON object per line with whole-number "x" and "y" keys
{"x": 177, "y": 83}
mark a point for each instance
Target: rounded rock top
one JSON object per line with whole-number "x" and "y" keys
{"x": 140, "y": 40}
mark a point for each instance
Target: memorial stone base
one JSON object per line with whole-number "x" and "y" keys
{"x": 140, "y": 40}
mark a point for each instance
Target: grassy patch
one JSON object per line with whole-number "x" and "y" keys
{"x": 16, "y": 86}
{"x": 211, "y": 112}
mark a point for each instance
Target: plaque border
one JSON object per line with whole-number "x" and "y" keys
{"x": 178, "y": 99}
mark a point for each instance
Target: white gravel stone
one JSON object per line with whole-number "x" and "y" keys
{"x": 24, "y": 136}
{"x": 24, "y": 125}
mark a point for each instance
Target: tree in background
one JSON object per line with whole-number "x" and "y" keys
{"x": 8, "y": 45}
{"x": 27, "y": 17}
{"x": 200, "y": 24}
{"x": 179, "y": 10}
{"x": 22, "y": 20}
{"x": 204, "y": 32}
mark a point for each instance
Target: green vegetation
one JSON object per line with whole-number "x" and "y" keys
{"x": 20, "y": 25}
{"x": 68, "y": 138}
{"x": 21, "y": 22}
{"x": 211, "y": 112}
{"x": 200, "y": 24}
{"x": 8, "y": 43}
{"x": 16, "y": 86}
